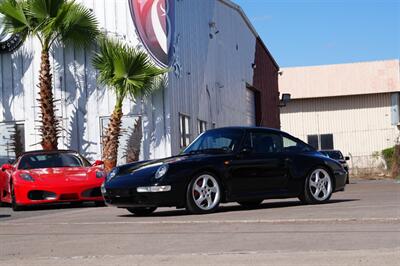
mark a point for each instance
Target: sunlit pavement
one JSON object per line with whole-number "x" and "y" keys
{"x": 360, "y": 226}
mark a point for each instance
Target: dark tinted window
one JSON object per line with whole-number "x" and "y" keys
{"x": 291, "y": 144}
{"x": 222, "y": 139}
{"x": 263, "y": 142}
{"x": 54, "y": 160}
{"x": 326, "y": 141}
{"x": 313, "y": 140}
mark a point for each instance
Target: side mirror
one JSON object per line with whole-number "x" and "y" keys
{"x": 347, "y": 158}
{"x": 6, "y": 167}
{"x": 97, "y": 163}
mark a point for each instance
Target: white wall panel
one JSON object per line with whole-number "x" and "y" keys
{"x": 361, "y": 125}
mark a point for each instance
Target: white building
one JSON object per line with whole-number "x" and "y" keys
{"x": 221, "y": 71}
{"x": 350, "y": 107}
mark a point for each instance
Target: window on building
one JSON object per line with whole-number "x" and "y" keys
{"x": 321, "y": 142}
{"x": 326, "y": 142}
{"x": 313, "y": 141}
{"x": 201, "y": 126}
{"x": 12, "y": 140}
{"x": 184, "y": 125}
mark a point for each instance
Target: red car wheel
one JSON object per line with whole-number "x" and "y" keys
{"x": 14, "y": 204}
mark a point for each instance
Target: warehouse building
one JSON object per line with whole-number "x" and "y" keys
{"x": 351, "y": 107}
{"x": 221, "y": 74}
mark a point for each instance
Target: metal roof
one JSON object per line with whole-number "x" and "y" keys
{"x": 341, "y": 79}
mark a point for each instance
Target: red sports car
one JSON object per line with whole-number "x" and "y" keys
{"x": 40, "y": 177}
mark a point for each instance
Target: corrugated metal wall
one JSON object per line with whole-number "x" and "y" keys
{"x": 361, "y": 125}
{"x": 215, "y": 66}
{"x": 341, "y": 79}
{"x": 214, "y": 49}
{"x": 266, "y": 82}
{"x": 81, "y": 101}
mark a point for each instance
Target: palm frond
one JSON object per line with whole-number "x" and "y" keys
{"x": 14, "y": 16}
{"x": 51, "y": 20}
{"x": 125, "y": 69}
{"x": 44, "y": 9}
{"x": 78, "y": 25}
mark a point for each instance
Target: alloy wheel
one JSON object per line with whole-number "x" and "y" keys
{"x": 320, "y": 184}
{"x": 206, "y": 192}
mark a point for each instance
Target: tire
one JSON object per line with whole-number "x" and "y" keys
{"x": 203, "y": 194}
{"x": 99, "y": 203}
{"x": 142, "y": 211}
{"x": 76, "y": 204}
{"x": 318, "y": 187}
{"x": 15, "y": 207}
{"x": 250, "y": 204}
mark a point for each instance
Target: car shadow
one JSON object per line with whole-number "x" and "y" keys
{"x": 233, "y": 208}
{"x": 60, "y": 206}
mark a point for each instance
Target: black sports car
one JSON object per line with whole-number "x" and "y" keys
{"x": 241, "y": 164}
{"x": 338, "y": 156}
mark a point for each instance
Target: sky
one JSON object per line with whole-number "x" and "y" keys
{"x": 318, "y": 32}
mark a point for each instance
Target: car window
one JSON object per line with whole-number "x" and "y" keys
{"x": 294, "y": 145}
{"x": 263, "y": 142}
{"x": 56, "y": 160}
{"x": 223, "y": 139}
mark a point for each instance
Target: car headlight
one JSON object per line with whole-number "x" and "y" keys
{"x": 161, "y": 171}
{"x": 100, "y": 174}
{"x": 112, "y": 174}
{"x": 27, "y": 177}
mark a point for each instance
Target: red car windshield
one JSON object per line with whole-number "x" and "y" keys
{"x": 53, "y": 160}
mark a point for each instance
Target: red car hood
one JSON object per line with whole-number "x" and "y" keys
{"x": 55, "y": 176}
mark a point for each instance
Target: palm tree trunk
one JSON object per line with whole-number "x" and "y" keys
{"x": 134, "y": 141}
{"x": 110, "y": 140}
{"x": 49, "y": 128}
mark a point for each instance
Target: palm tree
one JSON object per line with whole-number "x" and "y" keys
{"x": 128, "y": 72}
{"x": 51, "y": 21}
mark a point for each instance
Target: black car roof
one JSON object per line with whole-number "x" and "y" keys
{"x": 249, "y": 128}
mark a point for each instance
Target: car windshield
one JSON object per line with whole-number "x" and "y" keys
{"x": 220, "y": 140}
{"x": 336, "y": 155}
{"x": 52, "y": 160}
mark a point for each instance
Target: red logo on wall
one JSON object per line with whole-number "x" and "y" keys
{"x": 154, "y": 23}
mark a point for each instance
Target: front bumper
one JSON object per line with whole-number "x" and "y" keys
{"x": 130, "y": 197}
{"x": 340, "y": 180}
{"x": 41, "y": 194}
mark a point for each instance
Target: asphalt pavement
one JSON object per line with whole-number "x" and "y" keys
{"x": 360, "y": 226}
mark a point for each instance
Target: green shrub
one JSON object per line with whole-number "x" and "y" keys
{"x": 396, "y": 162}
{"x": 388, "y": 157}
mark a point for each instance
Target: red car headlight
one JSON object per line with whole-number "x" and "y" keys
{"x": 27, "y": 177}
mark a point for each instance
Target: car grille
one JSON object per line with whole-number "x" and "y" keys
{"x": 69, "y": 196}
{"x": 90, "y": 193}
{"x": 41, "y": 195}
